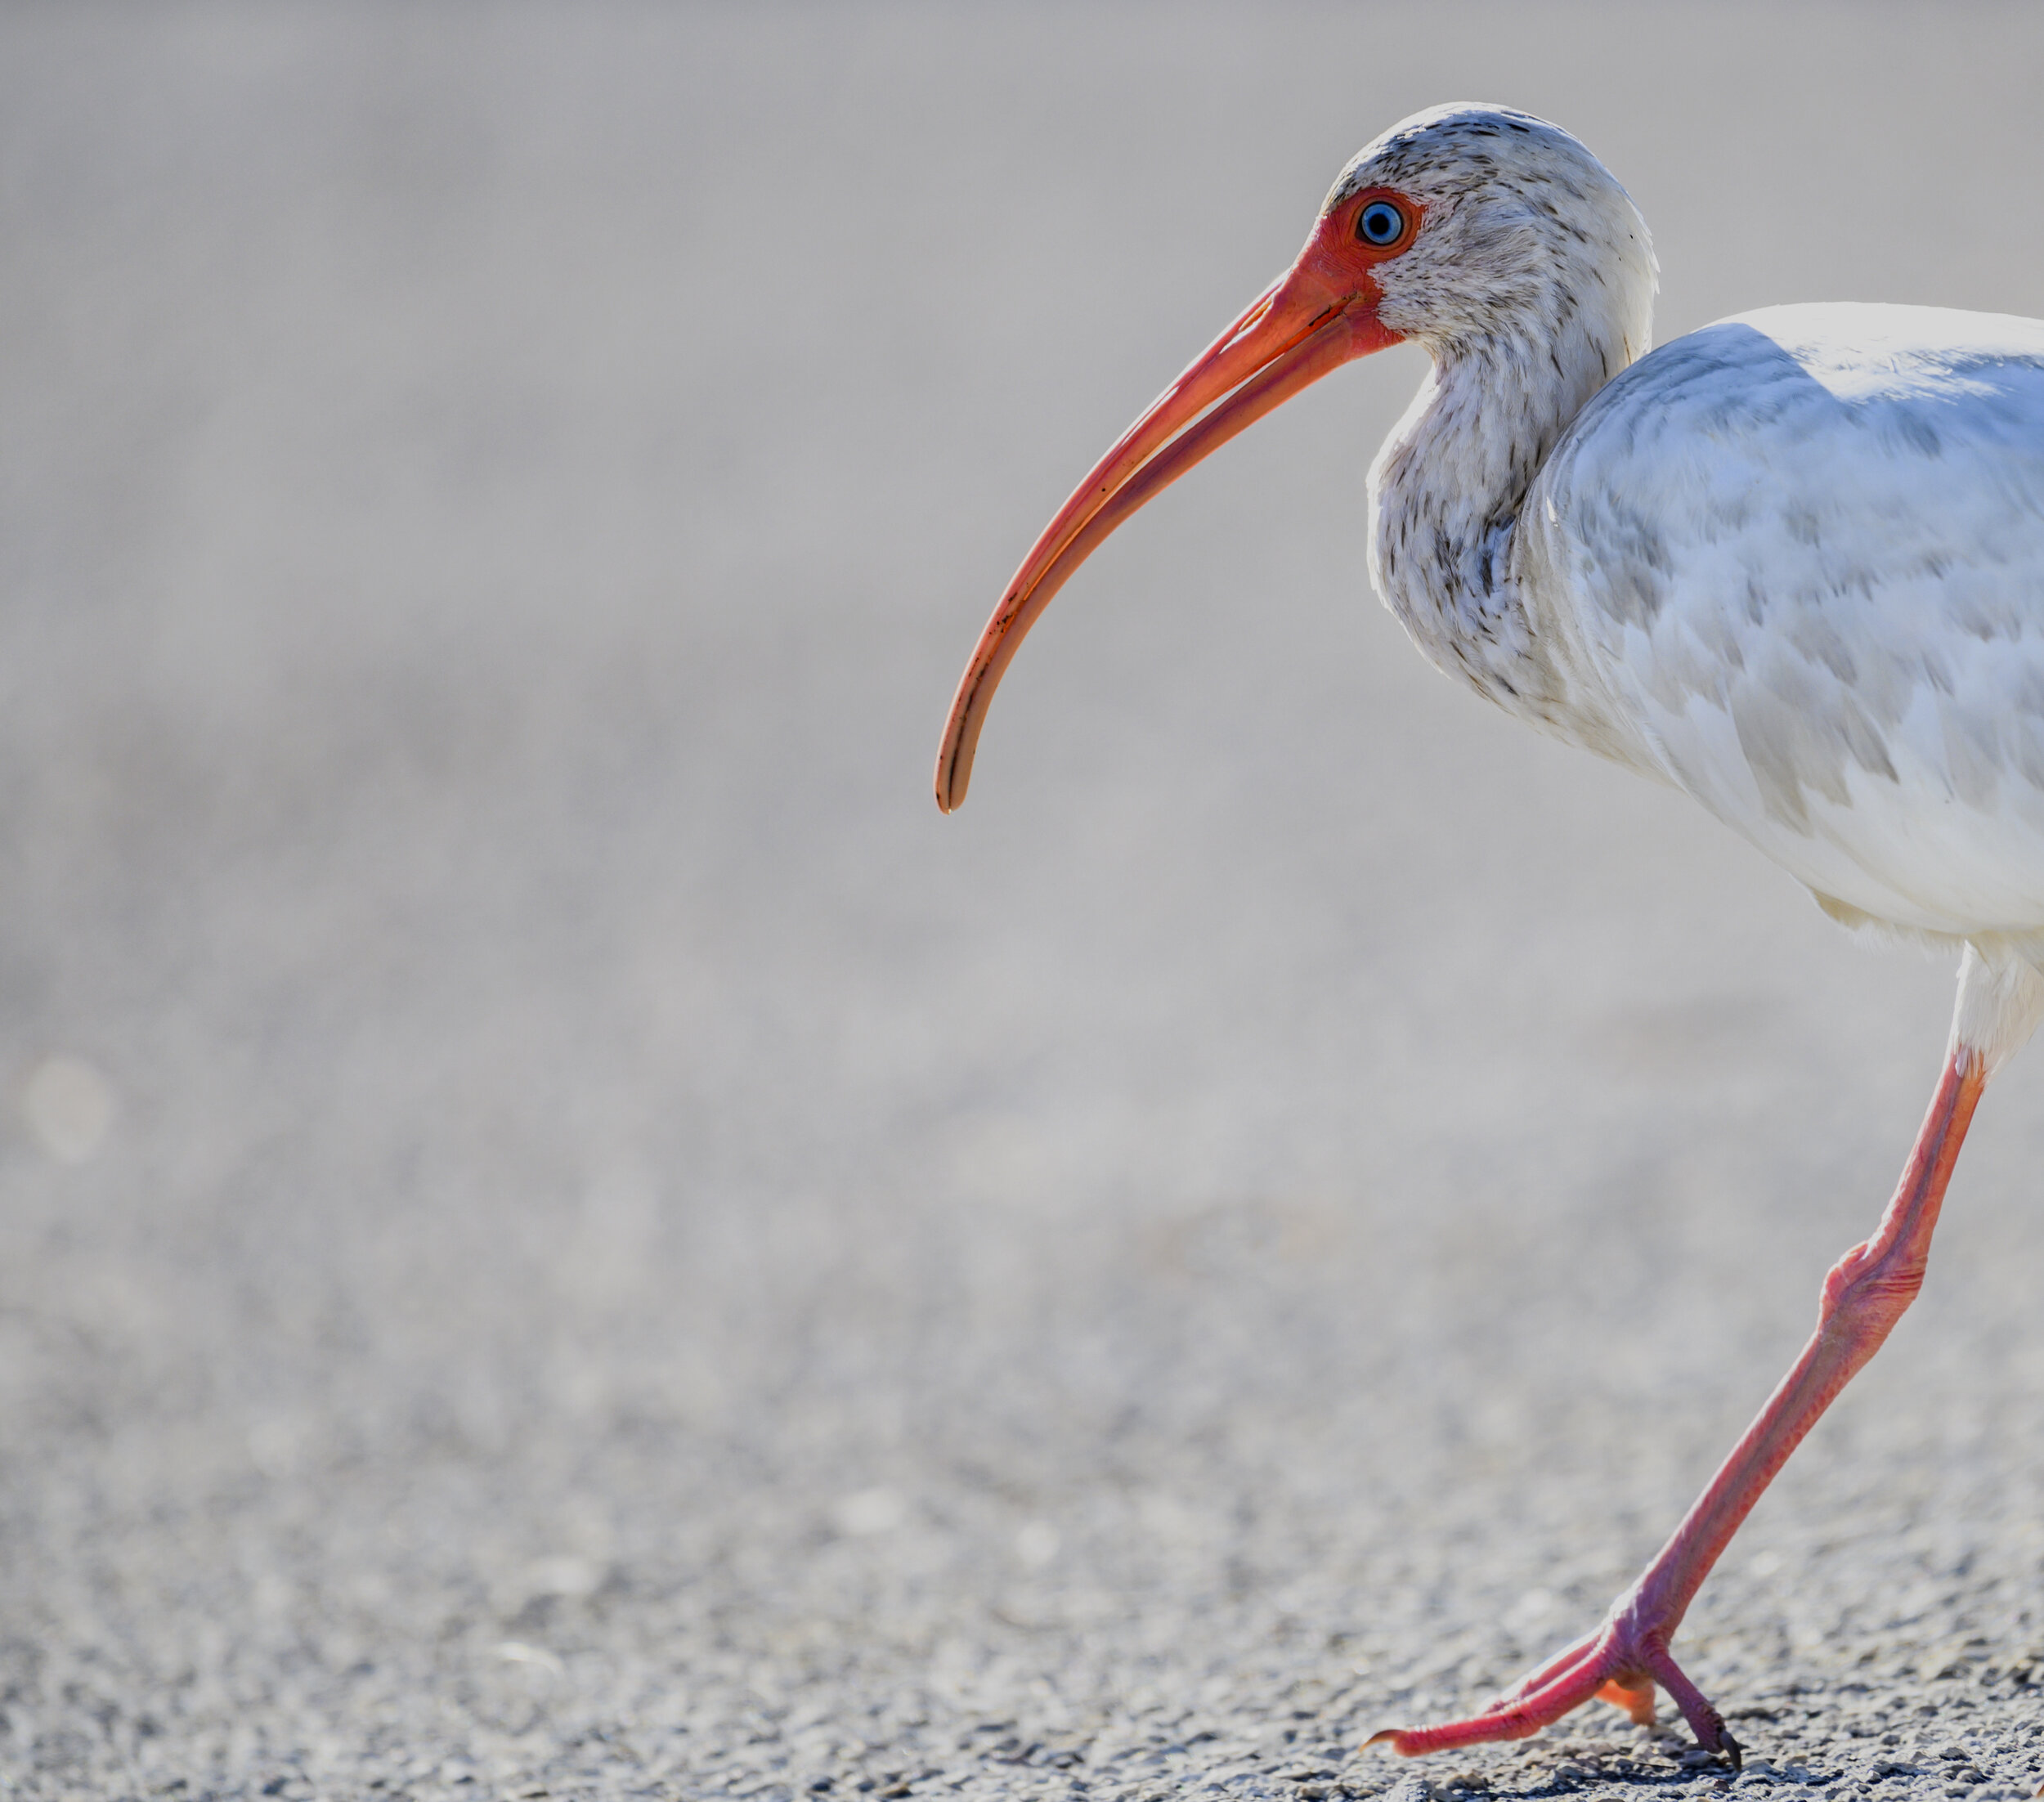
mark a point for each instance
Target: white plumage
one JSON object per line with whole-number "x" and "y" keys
{"x": 1792, "y": 565}
{"x": 1802, "y": 553}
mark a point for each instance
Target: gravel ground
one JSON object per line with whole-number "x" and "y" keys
{"x": 562, "y": 1235}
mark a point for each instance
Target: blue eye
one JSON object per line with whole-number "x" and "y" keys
{"x": 1380, "y": 223}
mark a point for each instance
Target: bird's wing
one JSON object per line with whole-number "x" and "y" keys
{"x": 1799, "y": 557}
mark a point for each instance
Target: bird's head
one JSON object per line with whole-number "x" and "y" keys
{"x": 1521, "y": 229}
{"x": 1462, "y": 221}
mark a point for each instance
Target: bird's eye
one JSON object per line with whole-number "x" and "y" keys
{"x": 1380, "y": 223}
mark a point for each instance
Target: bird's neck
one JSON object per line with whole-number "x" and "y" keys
{"x": 1446, "y": 489}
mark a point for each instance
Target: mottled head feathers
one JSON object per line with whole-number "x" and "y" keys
{"x": 1523, "y": 229}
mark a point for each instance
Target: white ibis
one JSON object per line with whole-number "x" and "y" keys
{"x": 1792, "y": 564}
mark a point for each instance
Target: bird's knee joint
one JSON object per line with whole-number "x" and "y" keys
{"x": 1859, "y": 1287}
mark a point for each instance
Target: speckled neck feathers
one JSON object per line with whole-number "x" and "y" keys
{"x": 1531, "y": 284}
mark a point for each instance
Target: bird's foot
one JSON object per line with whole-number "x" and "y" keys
{"x": 1619, "y": 1663}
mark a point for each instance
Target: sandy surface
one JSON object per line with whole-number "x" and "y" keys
{"x": 562, "y": 1235}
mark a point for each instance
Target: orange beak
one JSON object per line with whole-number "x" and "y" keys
{"x": 1320, "y": 314}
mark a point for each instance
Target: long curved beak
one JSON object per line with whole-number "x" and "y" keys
{"x": 1311, "y": 320}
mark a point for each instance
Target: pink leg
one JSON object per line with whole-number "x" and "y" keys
{"x": 1864, "y": 1296}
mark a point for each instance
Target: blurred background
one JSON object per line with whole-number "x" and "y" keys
{"x": 559, "y": 1226}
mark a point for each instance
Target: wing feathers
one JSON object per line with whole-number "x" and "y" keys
{"x": 1823, "y": 529}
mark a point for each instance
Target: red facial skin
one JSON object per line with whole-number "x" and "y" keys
{"x": 1320, "y": 314}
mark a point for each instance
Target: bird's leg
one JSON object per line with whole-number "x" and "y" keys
{"x": 1863, "y": 1297}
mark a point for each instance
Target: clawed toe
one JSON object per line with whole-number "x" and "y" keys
{"x": 1604, "y": 1667}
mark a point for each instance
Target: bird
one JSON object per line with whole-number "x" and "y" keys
{"x": 1791, "y": 564}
